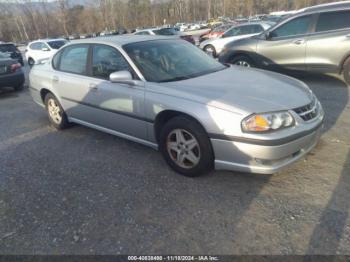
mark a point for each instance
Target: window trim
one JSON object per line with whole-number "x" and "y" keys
{"x": 60, "y": 58}
{"x": 308, "y": 32}
{"x": 90, "y": 62}
{"x": 314, "y": 32}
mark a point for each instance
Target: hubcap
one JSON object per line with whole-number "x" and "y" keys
{"x": 183, "y": 148}
{"x": 54, "y": 111}
{"x": 242, "y": 63}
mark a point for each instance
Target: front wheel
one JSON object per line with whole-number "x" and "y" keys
{"x": 31, "y": 61}
{"x": 210, "y": 50}
{"x": 346, "y": 71}
{"x": 56, "y": 114}
{"x": 186, "y": 147}
{"x": 242, "y": 61}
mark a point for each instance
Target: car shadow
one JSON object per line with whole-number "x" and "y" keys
{"x": 329, "y": 230}
{"x": 8, "y": 93}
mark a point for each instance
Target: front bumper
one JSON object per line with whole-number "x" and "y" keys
{"x": 262, "y": 159}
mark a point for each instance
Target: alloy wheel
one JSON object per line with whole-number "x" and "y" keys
{"x": 54, "y": 111}
{"x": 183, "y": 148}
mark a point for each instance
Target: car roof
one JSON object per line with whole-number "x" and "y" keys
{"x": 122, "y": 40}
{"x": 336, "y": 6}
{"x": 48, "y": 40}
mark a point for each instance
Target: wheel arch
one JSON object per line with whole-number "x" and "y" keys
{"x": 166, "y": 115}
{"x": 342, "y": 64}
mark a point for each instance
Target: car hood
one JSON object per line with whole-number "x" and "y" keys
{"x": 243, "y": 90}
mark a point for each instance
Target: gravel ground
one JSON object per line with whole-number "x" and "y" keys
{"x": 81, "y": 191}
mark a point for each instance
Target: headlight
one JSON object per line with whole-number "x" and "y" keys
{"x": 267, "y": 122}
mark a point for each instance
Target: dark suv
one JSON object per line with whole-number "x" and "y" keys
{"x": 12, "y": 50}
{"x": 314, "y": 39}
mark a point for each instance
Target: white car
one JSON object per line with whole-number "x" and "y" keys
{"x": 214, "y": 46}
{"x": 43, "y": 49}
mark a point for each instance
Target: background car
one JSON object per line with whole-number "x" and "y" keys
{"x": 43, "y": 49}
{"x": 215, "y": 45}
{"x": 165, "y": 32}
{"x": 215, "y": 32}
{"x": 169, "y": 95}
{"x": 11, "y": 74}
{"x": 315, "y": 39}
{"x": 12, "y": 50}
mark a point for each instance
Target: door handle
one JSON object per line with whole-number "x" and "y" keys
{"x": 93, "y": 87}
{"x": 55, "y": 79}
{"x": 299, "y": 42}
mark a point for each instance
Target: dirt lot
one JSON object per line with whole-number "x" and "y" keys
{"x": 81, "y": 191}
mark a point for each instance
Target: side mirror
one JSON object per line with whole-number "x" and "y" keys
{"x": 268, "y": 35}
{"x": 45, "y": 49}
{"x": 122, "y": 77}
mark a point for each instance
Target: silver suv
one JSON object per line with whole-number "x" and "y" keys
{"x": 314, "y": 39}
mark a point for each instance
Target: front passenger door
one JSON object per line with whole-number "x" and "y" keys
{"x": 286, "y": 45}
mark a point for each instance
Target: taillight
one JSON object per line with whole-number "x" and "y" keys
{"x": 15, "y": 67}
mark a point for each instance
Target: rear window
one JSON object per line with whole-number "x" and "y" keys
{"x": 7, "y": 48}
{"x": 333, "y": 21}
{"x": 56, "y": 44}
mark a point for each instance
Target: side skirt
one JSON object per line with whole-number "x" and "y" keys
{"x": 115, "y": 133}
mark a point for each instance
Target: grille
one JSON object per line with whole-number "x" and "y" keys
{"x": 308, "y": 112}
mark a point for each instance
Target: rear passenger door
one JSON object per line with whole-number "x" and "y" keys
{"x": 329, "y": 43}
{"x": 71, "y": 81}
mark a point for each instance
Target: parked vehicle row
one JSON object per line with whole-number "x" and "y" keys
{"x": 167, "y": 94}
{"x": 316, "y": 39}
{"x": 214, "y": 46}
{"x": 165, "y": 32}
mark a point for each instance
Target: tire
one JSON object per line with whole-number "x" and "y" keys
{"x": 31, "y": 61}
{"x": 242, "y": 60}
{"x": 55, "y": 112}
{"x": 346, "y": 71}
{"x": 210, "y": 50}
{"x": 186, "y": 147}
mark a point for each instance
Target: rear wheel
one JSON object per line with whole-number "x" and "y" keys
{"x": 56, "y": 114}
{"x": 346, "y": 71}
{"x": 210, "y": 50}
{"x": 186, "y": 147}
{"x": 31, "y": 61}
{"x": 242, "y": 61}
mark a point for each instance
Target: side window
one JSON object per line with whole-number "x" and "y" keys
{"x": 257, "y": 29}
{"x": 35, "y": 46}
{"x": 74, "y": 59}
{"x": 298, "y": 26}
{"x": 106, "y": 60}
{"x": 333, "y": 21}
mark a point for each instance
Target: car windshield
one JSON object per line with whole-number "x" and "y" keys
{"x": 171, "y": 60}
{"x": 7, "y": 48}
{"x": 57, "y": 44}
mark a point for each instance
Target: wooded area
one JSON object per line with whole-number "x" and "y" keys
{"x": 24, "y": 20}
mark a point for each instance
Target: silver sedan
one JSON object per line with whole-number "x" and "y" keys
{"x": 169, "y": 95}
